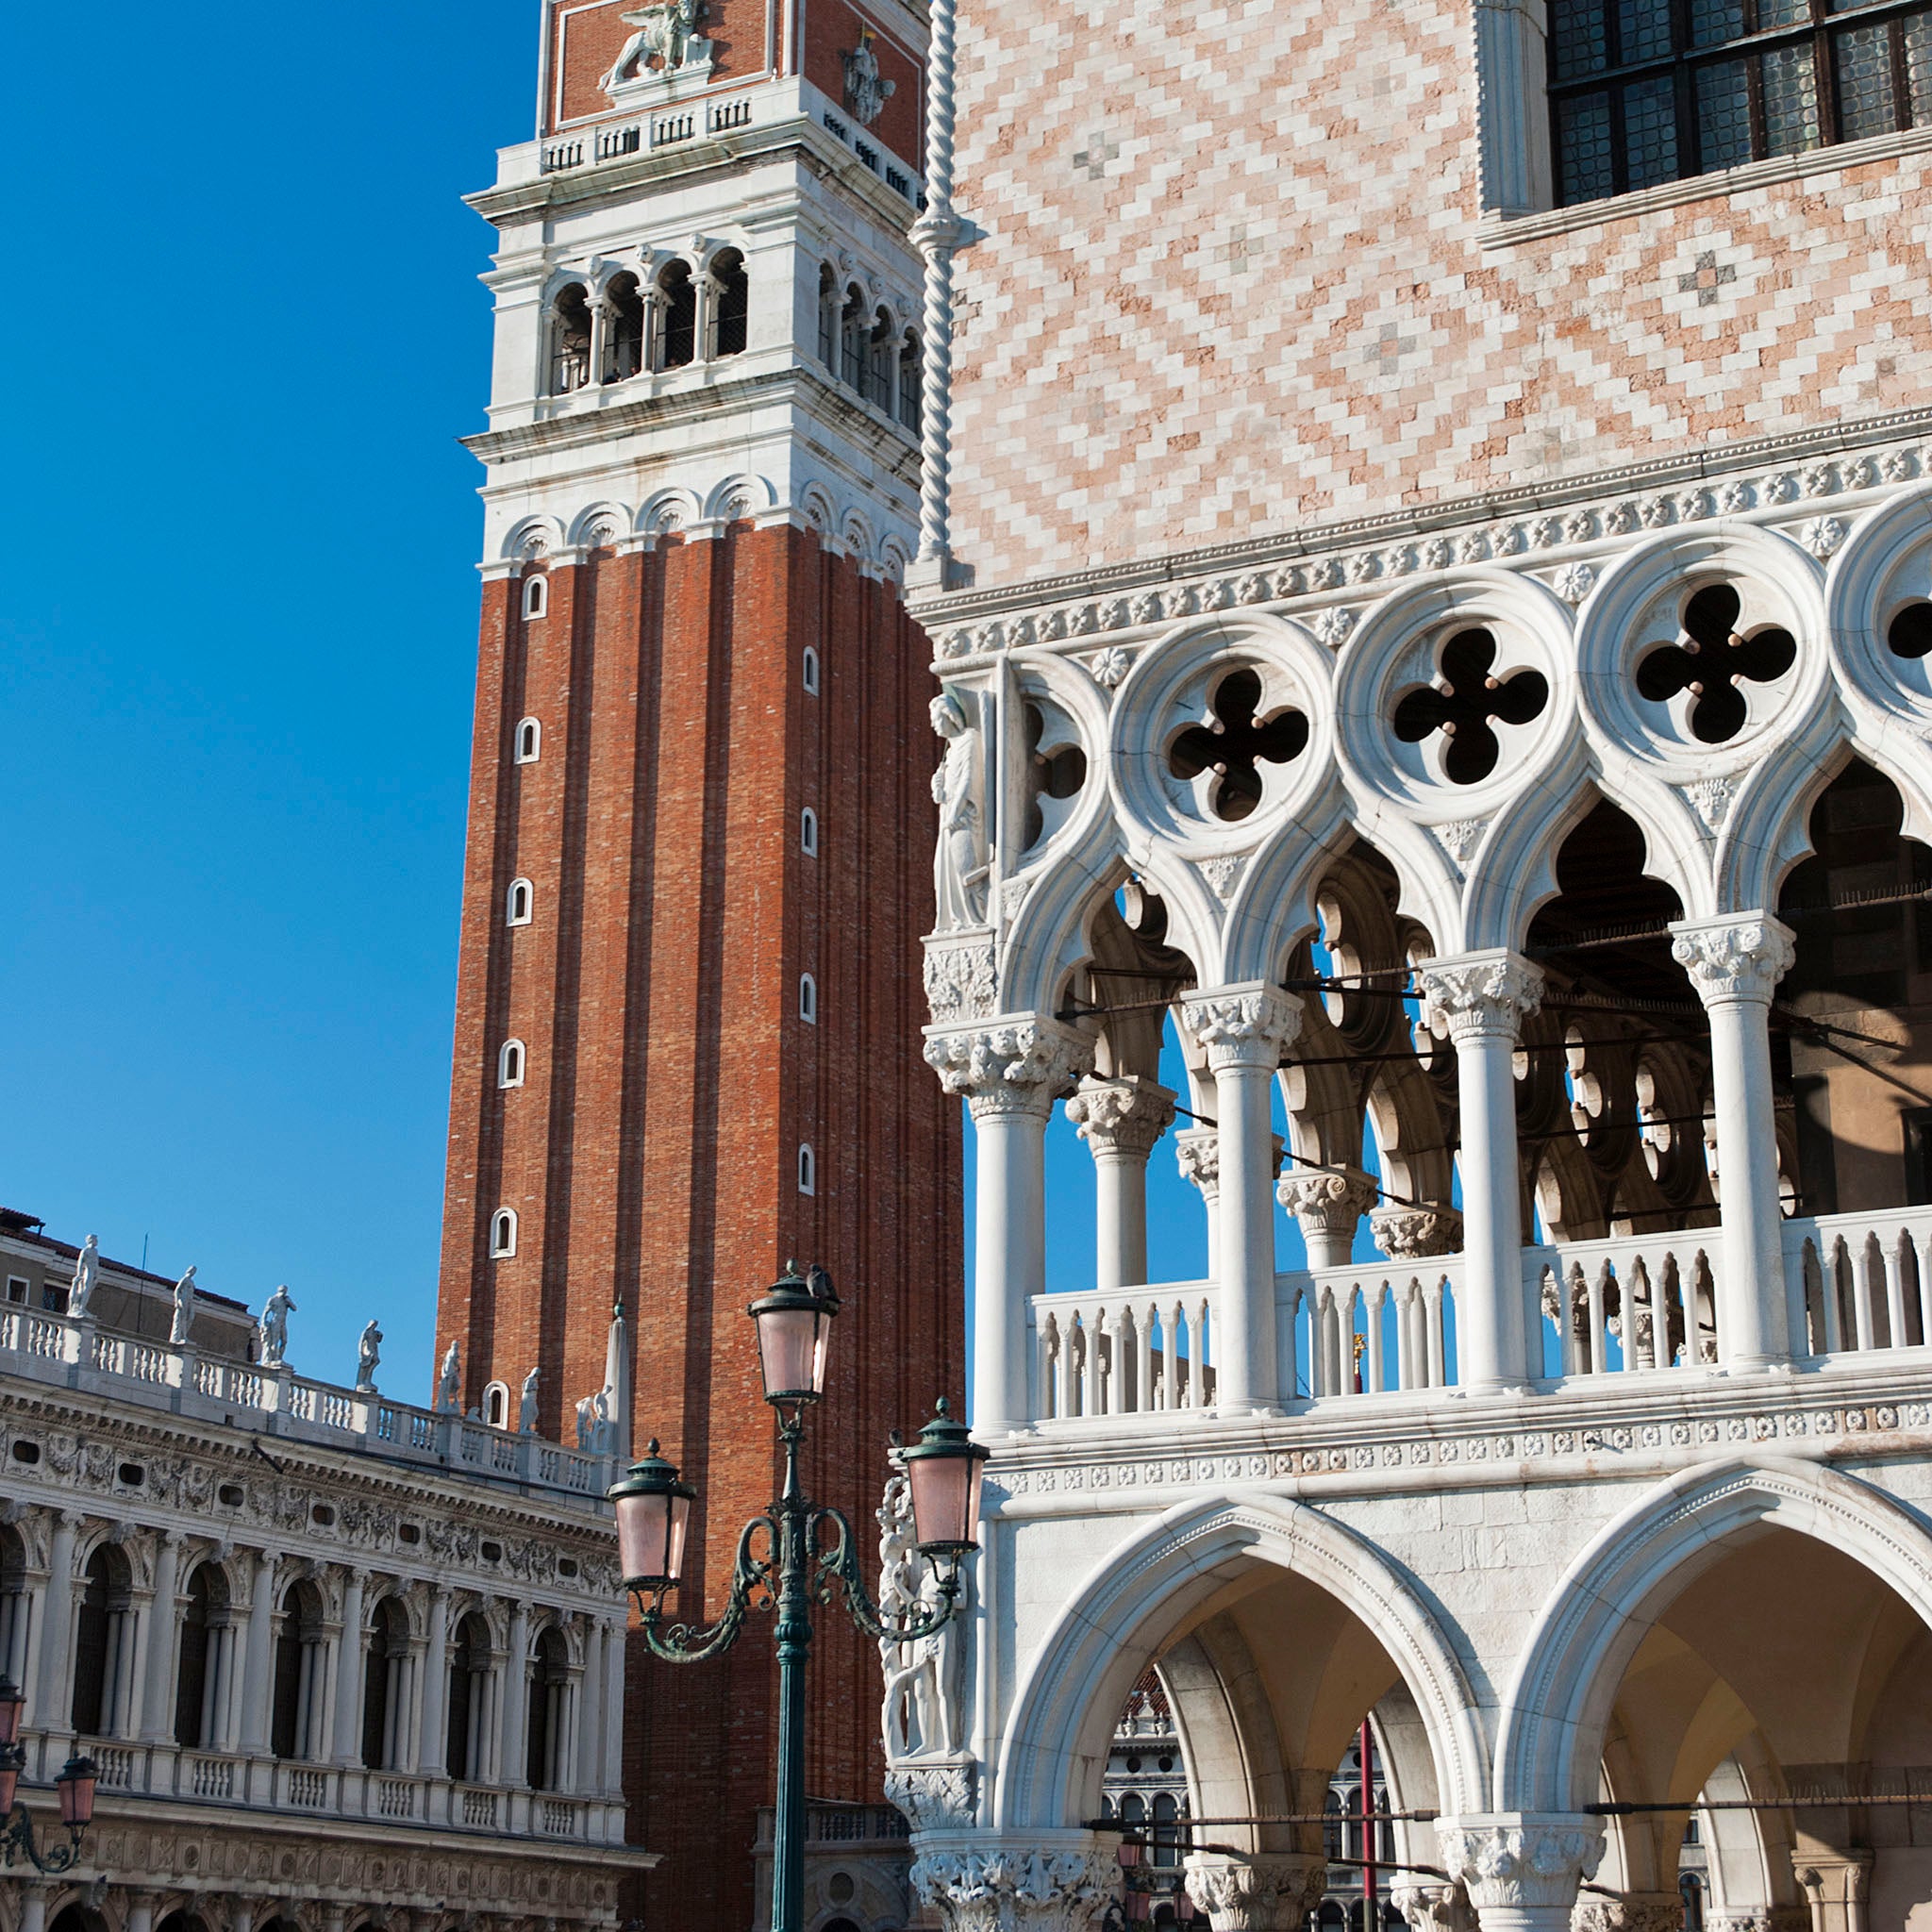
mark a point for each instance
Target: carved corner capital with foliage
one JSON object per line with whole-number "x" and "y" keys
{"x": 1416, "y": 1234}
{"x": 1331, "y": 1199}
{"x": 933, "y": 1795}
{"x": 1257, "y": 1893}
{"x": 999, "y": 1887}
{"x": 1520, "y": 1858}
{"x": 1016, "y": 1065}
{"x": 1121, "y": 1114}
{"x": 1245, "y": 1025}
{"x": 1635, "y": 1911}
{"x": 1488, "y": 993}
{"x": 1740, "y": 959}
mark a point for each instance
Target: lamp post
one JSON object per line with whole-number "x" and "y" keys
{"x": 786, "y": 1557}
{"x": 75, "y": 1787}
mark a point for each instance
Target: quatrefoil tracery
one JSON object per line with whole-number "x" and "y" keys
{"x": 1712, "y": 662}
{"x": 1236, "y": 745}
{"x": 1466, "y": 703}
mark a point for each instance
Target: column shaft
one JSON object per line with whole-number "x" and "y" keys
{"x": 163, "y": 1636}
{"x": 258, "y": 1666}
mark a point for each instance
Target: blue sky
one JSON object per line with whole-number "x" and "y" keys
{"x": 236, "y": 640}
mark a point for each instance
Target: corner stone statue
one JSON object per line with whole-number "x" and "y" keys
{"x": 527, "y": 1406}
{"x": 449, "y": 1381}
{"x": 87, "y": 1274}
{"x": 184, "y": 1311}
{"x": 920, "y": 1718}
{"x": 866, "y": 93}
{"x": 274, "y": 1326}
{"x": 368, "y": 1354}
{"x": 958, "y": 871}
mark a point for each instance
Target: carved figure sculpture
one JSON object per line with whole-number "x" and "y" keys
{"x": 664, "y": 33}
{"x": 184, "y": 1311}
{"x": 960, "y": 862}
{"x": 87, "y": 1274}
{"x": 449, "y": 1380}
{"x": 368, "y": 1354}
{"x": 587, "y": 1422}
{"x": 866, "y": 94}
{"x": 272, "y": 1330}
{"x": 919, "y": 1717}
{"x": 527, "y": 1406}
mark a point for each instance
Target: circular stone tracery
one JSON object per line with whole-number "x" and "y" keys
{"x": 1910, "y": 634}
{"x": 1465, "y": 702}
{"x": 1711, "y": 662}
{"x": 1235, "y": 743}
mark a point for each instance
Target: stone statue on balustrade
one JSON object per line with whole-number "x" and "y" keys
{"x": 959, "y": 863}
{"x": 368, "y": 1354}
{"x": 527, "y": 1406}
{"x": 87, "y": 1274}
{"x": 921, "y": 1715}
{"x": 272, "y": 1330}
{"x": 180, "y": 1333}
{"x": 449, "y": 1383}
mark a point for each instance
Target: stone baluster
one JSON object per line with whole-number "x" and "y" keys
{"x": 1010, "y": 1073}
{"x": 1485, "y": 998}
{"x": 1244, "y": 1029}
{"x": 1120, "y": 1117}
{"x": 1735, "y": 964}
{"x": 1522, "y": 1870}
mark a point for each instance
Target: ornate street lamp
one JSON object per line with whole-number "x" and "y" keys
{"x": 797, "y": 1549}
{"x": 75, "y": 1787}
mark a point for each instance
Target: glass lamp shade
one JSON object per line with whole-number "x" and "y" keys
{"x": 653, "y": 1514}
{"x": 9, "y": 1780}
{"x": 10, "y": 1702}
{"x": 75, "y": 1785}
{"x": 1138, "y": 1908}
{"x": 943, "y": 1468}
{"x": 1130, "y": 1853}
{"x": 795, "y": 1334}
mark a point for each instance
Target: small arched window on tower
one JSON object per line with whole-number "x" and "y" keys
{"x": 570, "y": 341}
{"x": 855, "y": 326}
{"x": 677, "y": 317}
{"x": 536, "y": 595}
{"x": 807, "y": 999}
{"x": 882, "y": 363}
{"x": 911, "y": 372}
{"x": 828, "y": 319}
{"x": 730, "y": 304}
{"x": 530, "y": 741}
{"x": 509, "y": 1064}
{"x": 808, "y": 832}
{"x": 503, "y": 1234}
{"x": 517, "y": 907}
{"x": 807, "y": 1169}
{"x": 496, "y": 1405}
{"x": 810, "y": 671}
{"x": 624, "y": 325}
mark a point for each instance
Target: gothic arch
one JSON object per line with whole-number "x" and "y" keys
{"x": 1884, "y": 562}
{"x": 1061, "y": 1718}
{"x": 1549, "y": 1743}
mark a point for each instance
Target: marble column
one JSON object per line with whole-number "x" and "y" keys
{"x": 1522, "y": 1870}
{"x": 259, "y": 1659}
{"x": 1328, "y": 1205}
{"x": 1197, "y": 1154}
{"x": 429, "y": 1749}
{"x": 1120, "y": 1117}
{"x": 158, "y": 1673}
{"x": 351, "y": 1670}
{"x": 141, "y": 1912}
{"x": 1010, "y": 1073}
{"x": 1485, "y": 998}
{"x": 33, "y": 1907}
{"x": 1244, "y": 1029}
{"x": 1736, "y": 964}
{"x": 516, "y": 1692}
{"x": 53, "y": 1706}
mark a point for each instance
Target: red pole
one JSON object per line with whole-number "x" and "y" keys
{"x": 1370, "y": 1919}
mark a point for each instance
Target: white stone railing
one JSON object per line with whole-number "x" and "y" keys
{"x": 1136, "y": 1350}
{"x": 52, "y": 1348}
{"x": 1671, "y": 1273}
{"x": 1349, "y": 1350}
{"x": 1860, "y": 1281}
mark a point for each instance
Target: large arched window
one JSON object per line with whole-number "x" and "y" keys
{"x": 570, "y": 341}
{"x": 624, "y": 329}
{"x": 677, "y": 316}
{"x": 469, "y": 1700}
{"x": 1649, "y": 91}
{"x": 731, "y": 305}
{"x": 203, "y": 1670}
{"x": 300, "y": 1675}
{"x": 545, "y": 1767}
{"x": 383, "y": 1684}
{"x": 102, "y": 1647}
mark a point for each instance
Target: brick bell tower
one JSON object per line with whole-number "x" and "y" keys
{"x": 701, "y": 829}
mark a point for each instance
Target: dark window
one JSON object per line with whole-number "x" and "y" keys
{"x": 734, "y": 304}
{"x": 285, "y": 1720}
{"x": 624, "y": 346}
{"x": 1650, "y": 91}
{"x": 191, "y": 1677}
{"x": 94, "y": 1627}
{"x": 388, "y": 1642}
{"x": 549, "y": 1670}
{"x": 677, "y": 303}
{"x": 570, "y": 341}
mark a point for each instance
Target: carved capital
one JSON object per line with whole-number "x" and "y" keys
{"x": 1414, "y": 1234}
{"x": 1122, "y": 1114}
{"x": 933, "y": 1797}
{"x": 1476, "y": 994}
{"x": 1432, "y": 1907}
{"x": 1738, "y": 959}
{"x": 1245, "y": 1025}
{"x": 1635, "y": 1911}
{"x": 1333, "y": 1202}
{"x": 1008, "y": 1888}
{"x": 1015, "y": 1066}
{"x": 1197, "y": 1154}
{"x": 961, "y": 977}
{"x": 1263, "y": 1893}
{"x": 1521, "y": 1858}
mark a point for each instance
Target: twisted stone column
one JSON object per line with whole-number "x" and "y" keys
{"x": 936, "y": 234}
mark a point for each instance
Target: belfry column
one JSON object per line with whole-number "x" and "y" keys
{"x": 1484, "y": 997}
{"x": 1522, "y": 1870}
{"x": 1120, "y": 1117}
{"x": 1244, "y": 1029}
{"x": 1735, "y": 964}
{"x": 1010, "y": 1073}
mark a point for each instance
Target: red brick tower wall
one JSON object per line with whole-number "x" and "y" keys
{"x": 651, "y": 1152}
